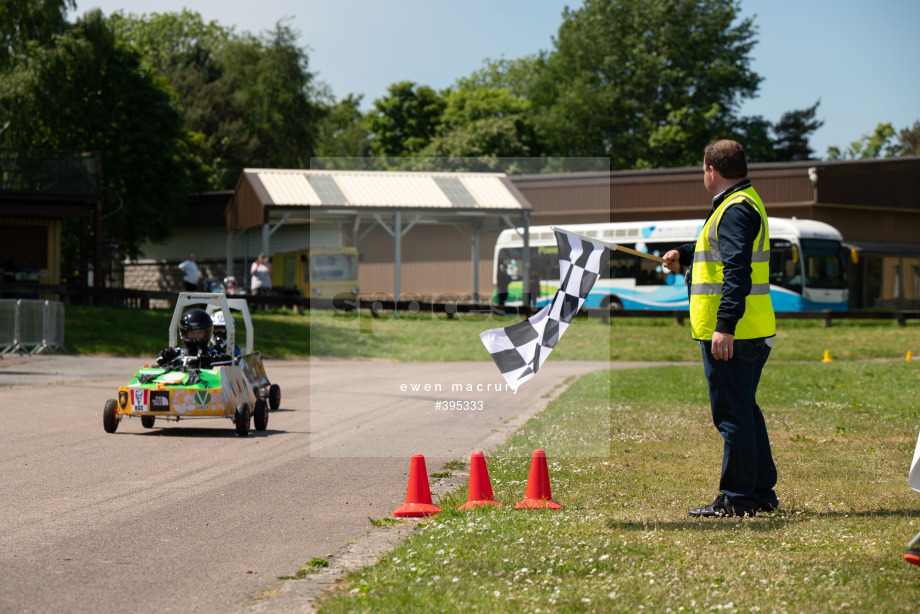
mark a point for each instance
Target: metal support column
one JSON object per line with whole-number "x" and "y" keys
{"x": 229, "y": 254}
{"x": 525, "y": 274}
{"x": 474, "y": 263}
{"x": 397, "y": 253}
{"x": 247, "y": 278}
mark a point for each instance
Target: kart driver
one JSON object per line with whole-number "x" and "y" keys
{"x": 195, "y": 329}
{"x": 219, "y": 340}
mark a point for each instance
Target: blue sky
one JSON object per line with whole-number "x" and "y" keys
{"x": 859, "y": 58}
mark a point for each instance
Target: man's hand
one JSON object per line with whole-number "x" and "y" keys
{"x": 723, "y": 346}
{"x": 673, "y": 260}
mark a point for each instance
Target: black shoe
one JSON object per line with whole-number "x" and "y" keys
{"x": 766, "y": 507}
{"x": 722, "y": 506}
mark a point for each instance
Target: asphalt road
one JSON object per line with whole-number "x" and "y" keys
{"x": 192, "y": 518}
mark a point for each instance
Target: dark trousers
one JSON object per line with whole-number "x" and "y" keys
{"x": 748, "y": 471}
{"x": 190, "y": 287}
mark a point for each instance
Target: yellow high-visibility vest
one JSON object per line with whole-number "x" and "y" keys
{"x": 707, "y": 276}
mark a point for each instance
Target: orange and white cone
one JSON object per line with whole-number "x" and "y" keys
{"x": 480, "y": 486}
{"x": 418, "y": 493}
{"x": 538, "y": 495}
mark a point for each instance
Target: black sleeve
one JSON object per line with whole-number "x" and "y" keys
{"x": 738, "y": 229}
{"x": 686, "y": 253}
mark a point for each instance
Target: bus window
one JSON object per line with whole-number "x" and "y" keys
{"x": 513, "y": 261}
{"x": 622, "y": 265}
{"x": 543, "y": 260}
{"x": 332, "y": 267}
{"x": 825, "y": 264}
{"x": 646, "y": 272}
{"x": 784, "y": 265}
{"x": 546, "y": 262}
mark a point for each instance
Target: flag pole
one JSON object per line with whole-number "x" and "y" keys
{"x": 619, "y": 248}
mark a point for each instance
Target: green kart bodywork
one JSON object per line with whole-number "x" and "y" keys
{"x": 196, "y": 393}
{"x": 239, "y": 391}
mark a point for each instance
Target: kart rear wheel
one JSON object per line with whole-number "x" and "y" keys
{"x": 241, "y": 419}
{"x": 147, "y": 421}
{"x": 260, "y": 415}
{"x": 110, "y": 416}
{"x": 274, "y": 396}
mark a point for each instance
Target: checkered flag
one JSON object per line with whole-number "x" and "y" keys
{"x": 521, "y": 349}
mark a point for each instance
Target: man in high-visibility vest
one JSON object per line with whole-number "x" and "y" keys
{"x": 732, "y": 317}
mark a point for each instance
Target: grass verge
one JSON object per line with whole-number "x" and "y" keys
{"x": 283, "y": 334}
{"x": 629, "y": 452}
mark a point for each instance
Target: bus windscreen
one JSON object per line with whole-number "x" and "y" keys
{"x": 824, "y": 264}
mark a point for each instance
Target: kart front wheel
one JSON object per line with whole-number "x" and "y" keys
{"x": 260, "y": 415}
{"x": 274, "y": 396}
{"x": 241, "y": 419}
{"x": 147, "y": 421}
{"x": 110, "y": 416}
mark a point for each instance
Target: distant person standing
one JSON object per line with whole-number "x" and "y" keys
{"x": 534, "y": 288}
{"x": 189, "y": 270}
{"x": 503, "y": 280}
{"x": 261, "y": 281}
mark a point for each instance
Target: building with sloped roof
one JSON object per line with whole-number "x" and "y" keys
{"x": 448, "y": 222}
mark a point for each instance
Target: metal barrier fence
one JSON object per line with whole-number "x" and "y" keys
{"x": 31, "y": 326}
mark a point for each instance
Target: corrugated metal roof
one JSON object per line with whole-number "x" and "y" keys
{"x": 387, "y": 189}
{"x": 287, "y": 187}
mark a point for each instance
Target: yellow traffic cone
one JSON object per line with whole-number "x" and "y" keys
{"x": 908, "y": 356}
{"x": 827, "y": 356}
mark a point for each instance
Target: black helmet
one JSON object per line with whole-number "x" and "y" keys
{"x": 193, "y": 321}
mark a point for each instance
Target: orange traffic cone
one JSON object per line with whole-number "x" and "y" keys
{"x": 480, "y": 486}
{"x": 538, "y": 494}
{"x": 418, "y": 494}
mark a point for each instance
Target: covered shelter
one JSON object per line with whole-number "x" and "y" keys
{"x": 347, "y": 206}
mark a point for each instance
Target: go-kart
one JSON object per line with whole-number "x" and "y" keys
{"x": 182, "y": 390}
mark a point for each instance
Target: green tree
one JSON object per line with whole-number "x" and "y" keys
{"x": 342, "y": 135}
{"x": 404, "y": 122}
{"x": 792, "y": 132}
{"x": 517, "y": 77}
{"x": 250, "y": 100}
{"x": 646, "y": 82}
{"x": 88, "y": 91}
{"x": 879, "y": 144}
{"x": 215, "y": 115}
{"x": 25, "y": 22}
{"x": 163, "y": 37}
{"x": 484, "y": 122}
{"x": 910, "y": 140}
{"x": 279, "y": 96}
{"x": 755, "y": 133}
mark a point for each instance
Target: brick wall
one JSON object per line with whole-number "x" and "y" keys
{"x": 166, "y": 277}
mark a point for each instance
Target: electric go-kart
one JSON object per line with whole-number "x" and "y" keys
{"x": 182, "y": 390}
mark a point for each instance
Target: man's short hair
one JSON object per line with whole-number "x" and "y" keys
{"x": 727, "y": 157}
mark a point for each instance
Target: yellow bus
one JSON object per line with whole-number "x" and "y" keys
{"x": 321, "y": 272}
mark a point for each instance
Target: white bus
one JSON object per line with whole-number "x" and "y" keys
{"x": 808, "y": 264}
